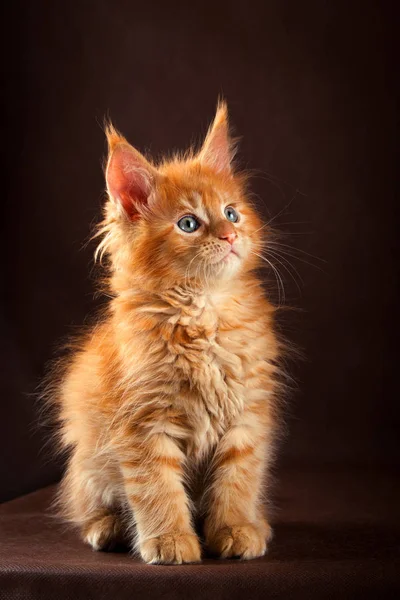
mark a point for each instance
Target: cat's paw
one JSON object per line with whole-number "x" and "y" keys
{"x": 103, "y": 533}
{"x": 240, "y": 541}
{"x": 171, "y": 549}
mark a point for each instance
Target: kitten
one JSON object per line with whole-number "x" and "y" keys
{"x": 178, "y": 377}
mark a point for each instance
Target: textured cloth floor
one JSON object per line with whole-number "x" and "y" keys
{"x": 336, "y": 535}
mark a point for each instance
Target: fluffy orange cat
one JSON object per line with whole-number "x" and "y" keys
{"x": 177, "y": 380}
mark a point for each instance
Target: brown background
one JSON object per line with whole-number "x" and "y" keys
{"x": 310, "y": 86}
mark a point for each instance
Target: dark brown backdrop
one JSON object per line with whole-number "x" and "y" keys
{"x": 310, "y": 87}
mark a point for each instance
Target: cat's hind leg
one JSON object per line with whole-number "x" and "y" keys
{"x": 89, "y": 497}
{"x": 105, "y": 531}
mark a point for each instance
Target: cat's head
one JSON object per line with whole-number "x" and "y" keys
{"x": 184, "y": 222}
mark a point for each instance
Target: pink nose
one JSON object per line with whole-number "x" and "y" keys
{"x": 229, "y": 237}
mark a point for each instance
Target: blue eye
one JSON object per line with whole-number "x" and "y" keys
{"x": 231, "y": 214}
{"x": 188, "y": 224}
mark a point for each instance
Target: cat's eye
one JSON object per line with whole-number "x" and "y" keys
{"x": 188, "y": 224}
{"x": 231, "y": 214}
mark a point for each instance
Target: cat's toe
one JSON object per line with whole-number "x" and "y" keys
{"x": 240, "y": 541}
{"x": 104, "y": 533}
{"x": 174, "y": 548}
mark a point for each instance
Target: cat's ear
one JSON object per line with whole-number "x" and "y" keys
{"x": 130, "y": 177}
{"x": 218, "y": 149}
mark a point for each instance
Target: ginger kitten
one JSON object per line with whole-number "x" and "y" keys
{"x": 178, "y": 377}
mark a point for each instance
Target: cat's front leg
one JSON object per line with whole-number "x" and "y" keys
{"x": 235, "y": 525}
{"x": 153, "y": 481}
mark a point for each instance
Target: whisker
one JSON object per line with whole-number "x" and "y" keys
{"x": 269, "y": 176}
{"x": 283, "y": 209}
{"x": 295, "y": 223}
{"x": 277, "y": 275}
{"x": 259, "y": 229}
{"x": 298, "y": 250}
{"x": 190, "y": 288}
{"x": 289, "y": 233}
{"x": 287, "y": 253}
{"x": 282, "y": 258}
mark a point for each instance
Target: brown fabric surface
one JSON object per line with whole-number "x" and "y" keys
{"x": 336, "y": 536}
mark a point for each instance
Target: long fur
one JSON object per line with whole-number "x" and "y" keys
{"x": 177, "y": 380}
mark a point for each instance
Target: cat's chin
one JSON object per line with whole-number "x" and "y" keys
{"x": 228, "y": 266}
{"x": 231, "y": 255}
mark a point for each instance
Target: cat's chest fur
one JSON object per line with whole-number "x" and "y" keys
{"x": 208, "y": 362}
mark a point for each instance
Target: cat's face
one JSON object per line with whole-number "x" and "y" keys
{"x": 201, "y": 228}
{"x": 186, "y": 222}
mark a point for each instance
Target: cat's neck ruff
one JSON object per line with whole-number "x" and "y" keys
{"x": 180, "y": 297}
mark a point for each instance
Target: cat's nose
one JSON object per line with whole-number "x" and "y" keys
{"x": 224, "y": 230}
{"x": 229, "y": 237}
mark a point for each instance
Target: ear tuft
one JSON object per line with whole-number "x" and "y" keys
{"x": 218, "y": 150}
{"x": 130, "y": 177}
{"x": 114, "y": 137}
